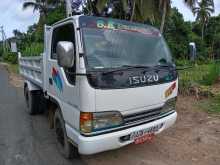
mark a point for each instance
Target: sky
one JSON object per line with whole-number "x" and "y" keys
{"x": 187, "y": 14}
{"x": 12, "y": 16}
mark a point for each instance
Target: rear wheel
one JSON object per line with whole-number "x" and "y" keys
{"x": 32, "y": 101}
{"x": 65, "y": 147}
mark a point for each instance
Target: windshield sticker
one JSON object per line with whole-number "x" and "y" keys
{"x": 57, "y": 79}
{"x": 112, "y": 24}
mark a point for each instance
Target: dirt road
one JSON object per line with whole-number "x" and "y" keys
{"x": 194, "y": 140}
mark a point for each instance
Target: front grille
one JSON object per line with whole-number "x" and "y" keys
{"x": 135, "y": 120}
{"x": 142, "y": 116}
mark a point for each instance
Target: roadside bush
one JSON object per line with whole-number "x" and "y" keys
{"x": 212, "y": 75}
{"x": 33, "y": 49}
{"x": 10, "y": 57}
{"x": 199, "y": 75}
{"x": 190, "y": 77}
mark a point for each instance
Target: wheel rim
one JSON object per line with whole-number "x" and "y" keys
{"x": 59, "y": 132}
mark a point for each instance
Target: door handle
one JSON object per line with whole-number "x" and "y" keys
{"x": 50, "y": 81}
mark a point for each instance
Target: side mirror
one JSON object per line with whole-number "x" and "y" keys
{"x": 65, "y": 54}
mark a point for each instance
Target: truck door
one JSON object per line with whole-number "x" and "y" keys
{"x": 62, "y": 84}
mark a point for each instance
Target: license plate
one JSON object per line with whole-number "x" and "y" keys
{"x": 144, "y": 138}
{"x": 145, "y": 134}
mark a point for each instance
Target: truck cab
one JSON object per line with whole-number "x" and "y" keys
{"x": 113, "y": 82}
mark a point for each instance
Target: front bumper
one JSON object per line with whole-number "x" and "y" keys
{"x": 110, "y": 141}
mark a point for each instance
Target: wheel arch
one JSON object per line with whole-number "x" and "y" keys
{"x": 31, "y": 86}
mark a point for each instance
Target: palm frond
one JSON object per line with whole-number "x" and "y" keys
{"x": 29, "y": 5}
{"x": 211, "y": 10}
{"x": 190, "y": 3}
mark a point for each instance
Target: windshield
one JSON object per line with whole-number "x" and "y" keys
{"x": 111, "y": 48}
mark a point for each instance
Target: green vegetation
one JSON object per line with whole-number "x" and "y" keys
{"x": 210, "y": 105}
{"x": 203, "y": 12}
{"x": 159, "y": 13}
{"x": 198, "y": 75}
{"x": 10, "y": 57}
{"x": 199, "y": 80}
{"x": 213, "y": 73}
{"x": 34, "y": 49}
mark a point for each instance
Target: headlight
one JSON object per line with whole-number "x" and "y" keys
{"x": 91, "y": 122}
{"x": 170, "y": 105}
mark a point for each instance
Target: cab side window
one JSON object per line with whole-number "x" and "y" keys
{"x": 64, "y": 33}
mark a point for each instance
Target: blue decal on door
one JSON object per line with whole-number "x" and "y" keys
{"x": 57, "y": 79}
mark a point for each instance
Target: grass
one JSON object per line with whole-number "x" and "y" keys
{"x": 212, "y": 76}
{"x": 13, "y": 68}
{"x": 205, "y": 74}
{"x": 210, "y": 105}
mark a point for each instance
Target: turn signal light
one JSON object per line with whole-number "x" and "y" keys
{"x": 170, "y": 90}
{"x": 86, "y": 122}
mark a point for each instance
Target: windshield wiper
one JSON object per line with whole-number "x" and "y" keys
{"x": 164, "y": 66}
{"x": 127, "y": 67}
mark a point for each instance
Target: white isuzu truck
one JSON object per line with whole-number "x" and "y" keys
{"x": 105, "y": 83}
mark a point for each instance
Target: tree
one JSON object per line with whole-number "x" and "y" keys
{"x": 212, "y": 37}
{"x": 43, "y": 6}
{"x": 177, "y": 33}
{"x": 17, "y": 34}
{"x": 144, "y": 11}
{"x": 115, "y": 8}
{"x": 164, "y": 6}
{"x": 191, "y": 3}
{"x": 133, "y": 10}
{"x": 40, "y": 5}
{"x": 203, "y": 13}
{"x": 136, "y": 10}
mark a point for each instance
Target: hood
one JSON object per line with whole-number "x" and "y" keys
{"x": 132, "y": 100}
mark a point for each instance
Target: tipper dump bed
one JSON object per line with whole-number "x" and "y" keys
{"x": 31, "y": 68}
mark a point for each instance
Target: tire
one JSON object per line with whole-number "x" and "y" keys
{"x": 64, "y": 146}
{"x": 42, "y": 103}
{"x": 32, "y": 101}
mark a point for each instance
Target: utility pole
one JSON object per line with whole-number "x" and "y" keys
{"x": 4, "y": 39}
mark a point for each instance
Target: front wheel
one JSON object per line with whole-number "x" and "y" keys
{"x": 65, "y": 147}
